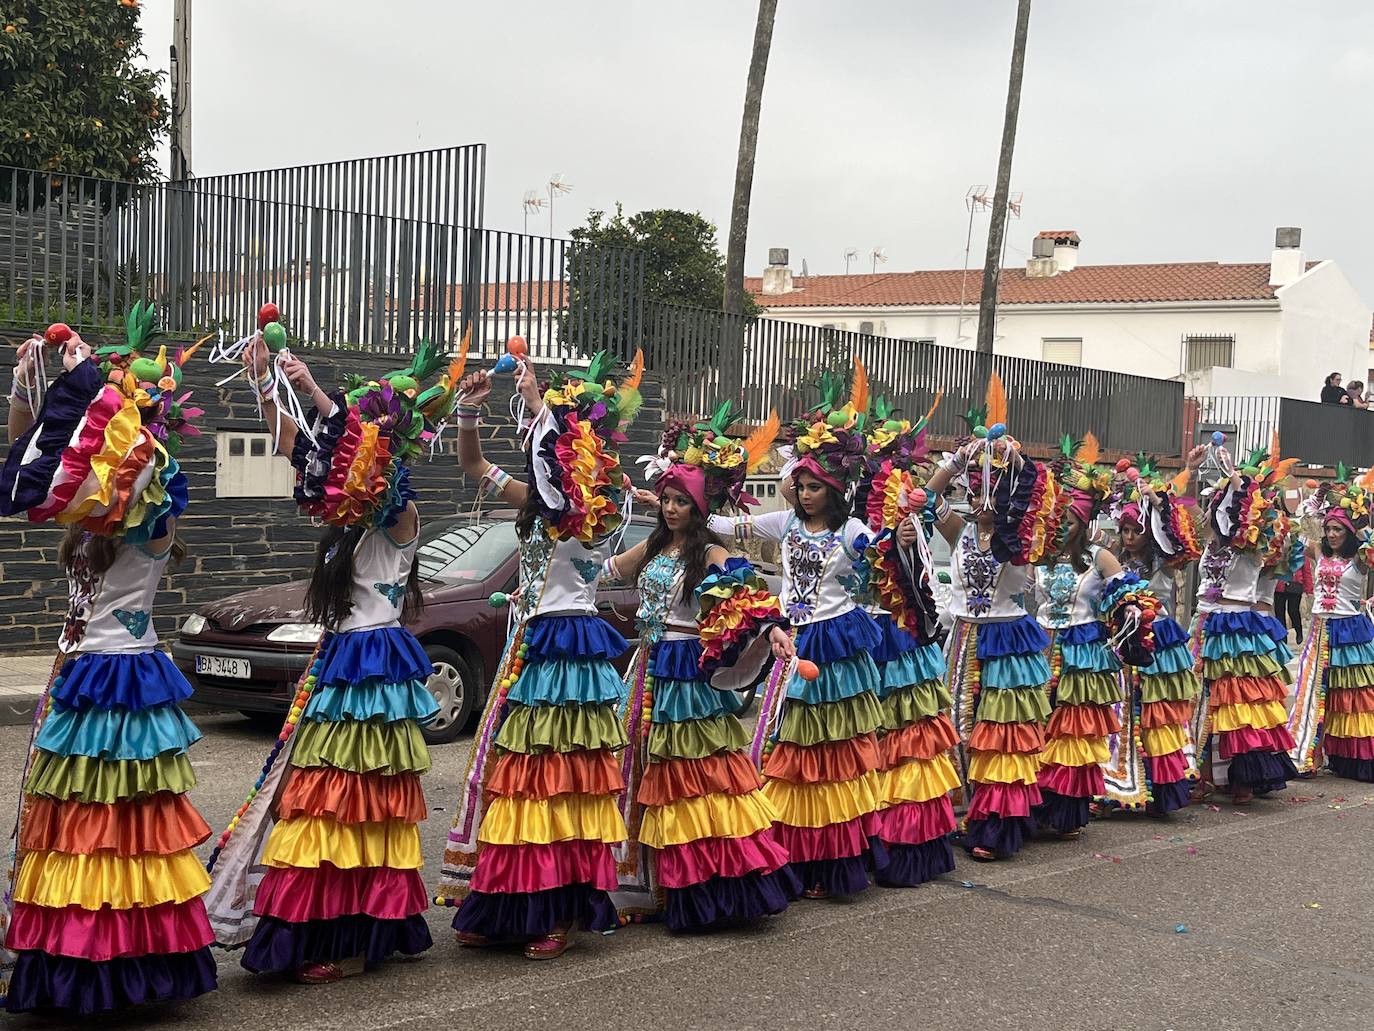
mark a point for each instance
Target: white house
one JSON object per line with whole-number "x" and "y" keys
{"x": 1274, "y": 328}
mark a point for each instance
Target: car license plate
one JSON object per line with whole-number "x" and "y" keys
{"x": 219, "y": 666}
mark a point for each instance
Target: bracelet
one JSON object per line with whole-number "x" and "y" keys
{"x": 466, "y": 418}
{"x": 494, "y": 481}
{"x": 942, "y": 510}
{"x": 954, "y": 464}
{"x": 266, "y": 383}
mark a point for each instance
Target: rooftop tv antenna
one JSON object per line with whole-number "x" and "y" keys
{"x": 978, "y": 200}
{"x": 879, "y": 254}
{"x": 557, "y": 187}
{"x": 534, "y": 202}
{"x": 850, "y": 254}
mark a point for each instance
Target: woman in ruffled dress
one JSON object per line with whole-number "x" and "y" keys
{"x": 824, "y": 776}
{"x": 339, "y": 802}
{"x": 1152, "y": 767}
{"x": 702, "y": 849}
{"x": 996, "y": 669}
{"x": 529, "y": 858}
{"x": 107, "y": 908}
{"x": 1091, "y": 609}
{"x": 1241, "y": 647}
{"x": 918, "y": 775}
{"x": 1333, "y": 711}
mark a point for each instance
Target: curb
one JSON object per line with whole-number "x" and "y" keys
{"x": 16, "y": 710}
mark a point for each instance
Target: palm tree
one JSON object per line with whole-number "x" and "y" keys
{"x": 733, "y": 301}
{"x": 987, "y": 303}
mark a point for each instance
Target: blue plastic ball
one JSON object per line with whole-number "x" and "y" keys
{"x": 506, "y": 363}
{"x": 1218, "y": 438}
{"x": 996, "y": 430}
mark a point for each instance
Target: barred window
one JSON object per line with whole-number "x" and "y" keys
{"x": 1206, "y": 351}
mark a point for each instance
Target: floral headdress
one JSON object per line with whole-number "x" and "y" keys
{"x": 1087, "y": 484}
{"x": 575, "y": 457}
{"x": 708, "y": 466}
{"x": 1251, "y": 516}
{"x": 102, "y": 451}
{"x": 353, "y": 467}
{"x": 896, "y": 456}
{"x": 1344, "y": 501}
{"x": 829, "y": 441}
{"x": 1168, "y": 519}
{"x": 1023, "y": 495}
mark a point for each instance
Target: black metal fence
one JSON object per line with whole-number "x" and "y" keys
{"x": 1319, "y": 434}
{"x": 779, "y": 364}
{"x": 81, "y": 250}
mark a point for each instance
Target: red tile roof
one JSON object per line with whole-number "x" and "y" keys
{"x": 1086, "y": 284}
{"x": 1059, "y": 234}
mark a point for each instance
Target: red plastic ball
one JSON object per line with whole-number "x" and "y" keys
{"x": 807, "y": 670}
{"x": 918, "y": 498}
{"x": 516, "y": 345}
{"x": 58, "y": 333}
{"x": 268, "y": 313}
{"x": 1133, "y": 474}
{"x": 1123, "y": 465}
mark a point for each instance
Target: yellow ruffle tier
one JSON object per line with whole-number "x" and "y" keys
{"x": 311, "y": 841}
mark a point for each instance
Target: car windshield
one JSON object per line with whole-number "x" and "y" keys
{"x": 462, "y": 550}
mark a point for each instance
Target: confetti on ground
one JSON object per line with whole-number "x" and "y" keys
{"x": 1214, "y": 808}
{"x": 1314, "y": 905}
{"x": 1192, "y": 851}
{"x": 1180, "y": 928}
{"x": 968, "y": 884}
{"x": 1176, "y": 839}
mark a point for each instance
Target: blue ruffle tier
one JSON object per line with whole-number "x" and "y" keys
{"x": 119, "y": 734}
{"x": 895, "y": 643}
{"x": 388, "y": 654}
{"x": 129, "y": 680}
{"x": 564, "y": 681}
{"x": 922, "y": 663}
{"x": 573, "y": 637}
{"x": 404, "y": 701}
{"x": 1084, "y": 648}
{"x": 841, "y": 637}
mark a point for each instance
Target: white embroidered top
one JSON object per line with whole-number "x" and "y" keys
{"x": 819, "y": 581}
{"x": 1067, "y": 597}
{"x": 1339, "y": 586}
{"x": 981, "y": 588}
{"x": 381, "y": 568}
{"x": 114, "y": 612}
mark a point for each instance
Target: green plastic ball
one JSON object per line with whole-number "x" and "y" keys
{"x": 836, "y": 419}
{"x": 274, "y": 335}
{"x": 146, "y": 370}
{"x": 980, "y": 431}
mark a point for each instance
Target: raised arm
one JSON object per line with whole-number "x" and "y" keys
{"x": 258, "y": 361}
{"x": 21, "y": 392}
{"x": 474, "y": 390}
{"x": 947, "y": 521}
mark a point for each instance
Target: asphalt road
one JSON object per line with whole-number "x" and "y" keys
{"x": 1215, "y": 919}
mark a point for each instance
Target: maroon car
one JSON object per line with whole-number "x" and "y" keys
{"x": 247, "y": 651}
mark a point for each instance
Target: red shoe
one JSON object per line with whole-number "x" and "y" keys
{"x": 815, "y": 892}
{"x": 473, "y": 941}
{"x": 551, "y": 946}
{"x": 328, "y": 973}
{"x": 983, "y": 855}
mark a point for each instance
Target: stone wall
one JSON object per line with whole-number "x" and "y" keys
{"x": 235, "y": 544}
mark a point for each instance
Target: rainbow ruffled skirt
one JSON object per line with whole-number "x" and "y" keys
{"x": 824, "y": 777}
{"x": 1335, "y": 703}
{"x": 1085, "y": 688}
{"x": 107, "y": 900}
{"x": 710, "y": 826}
{"x": 997, "y": 677}
{"x": 917, "y": 773}
{"x": 344, "y": 857}
{"x": 1165, "y": 694}
{"x": 545, "y": 859}
{"x": 1245, "y": 666}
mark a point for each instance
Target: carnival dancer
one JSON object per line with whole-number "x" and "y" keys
{"x": 1152, "y": 765}
{"x": 107, "y": 908}
{"x": 1333, "y": 711}
{"x": 996, "y": 669}
{"x": 529, "y": 856}
{"x": 1244, "y": 656}
{"x": 824, "y": 775}
{"x": 706, "y": 623}
{"x": 341, "y": 796}
{"x": 914, "y": 743}
{"x": 1090, "y": 609}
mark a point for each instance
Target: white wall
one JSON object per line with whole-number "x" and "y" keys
{"x": 1325, "y": 327}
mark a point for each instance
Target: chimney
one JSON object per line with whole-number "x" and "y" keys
{"x": 1040, "y": 265}
{"x": 777, "y": 277}
{"x": 1066, "y": 250}
{"x": 1288, "y": 261}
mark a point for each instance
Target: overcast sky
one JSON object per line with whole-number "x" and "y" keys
{"x": 1169, "y": 130}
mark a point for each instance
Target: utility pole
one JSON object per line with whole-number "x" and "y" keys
{"x": 181, "y": 91}
{"x": 997, "y": 228}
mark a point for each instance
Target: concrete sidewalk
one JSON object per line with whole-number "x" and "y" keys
{"x": 22, "y": 680}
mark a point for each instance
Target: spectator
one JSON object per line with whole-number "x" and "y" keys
{"x": 1288, "y": 594}
{"x": 1356, "y": 392}
{"x": 1333, "y": 393}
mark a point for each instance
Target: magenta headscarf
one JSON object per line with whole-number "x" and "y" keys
{"x": 808, "y": 464}
{"x": 690, "y": 479}
{"x": 1341, "y": 517}
{"x": 1083, "y": 504}
{"x": 1130, "y": 513}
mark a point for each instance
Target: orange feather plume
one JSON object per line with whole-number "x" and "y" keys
{"x": 1179, "y": 484}
{"x": 1274, "y": 452}
{"x": 939, "y": 396}
{"x": 1090, "y": 450}
{"x": 858, "y": 393}
{"x": 756, "y": 445}
{"x": 997, "y": 401}
{"x": 185, "y": 355}
{"x": 1367, "y": 480}
{"x": 1283, "y": 470}
{"x": 631, "y": 382}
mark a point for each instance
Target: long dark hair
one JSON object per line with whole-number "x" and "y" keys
{"x": 101, "y": 551}
{"x": 837, "y": 507}
{"x": 329, "y": 598}
{"x": 528, "y": 515}
{"x": 1349, "y": 547}
{"x": 1076, "y": 547}
{"x": 698, "y": 539}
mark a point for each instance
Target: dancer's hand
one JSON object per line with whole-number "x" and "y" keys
{"x": 74, "y": 352}
{"x": 474, "y": 389}
{"x": 255, "y": 357}
{"x": 783, "y": 648}
{"x": 906, "y": 533}
{"x": 26, "y": 358}
{"x": 1195, "y": 457}
{"x": 527, "y": 383}
{"x": 298, "y": 375}
{"x": 647, "y": 498}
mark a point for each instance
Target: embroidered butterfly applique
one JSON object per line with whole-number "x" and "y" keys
{"x": 588, "y": 569}
{"x": 391, "y": 592}
{"x": 134, "y": 622}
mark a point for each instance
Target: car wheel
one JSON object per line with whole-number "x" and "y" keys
{"x": 453, "y": 686}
